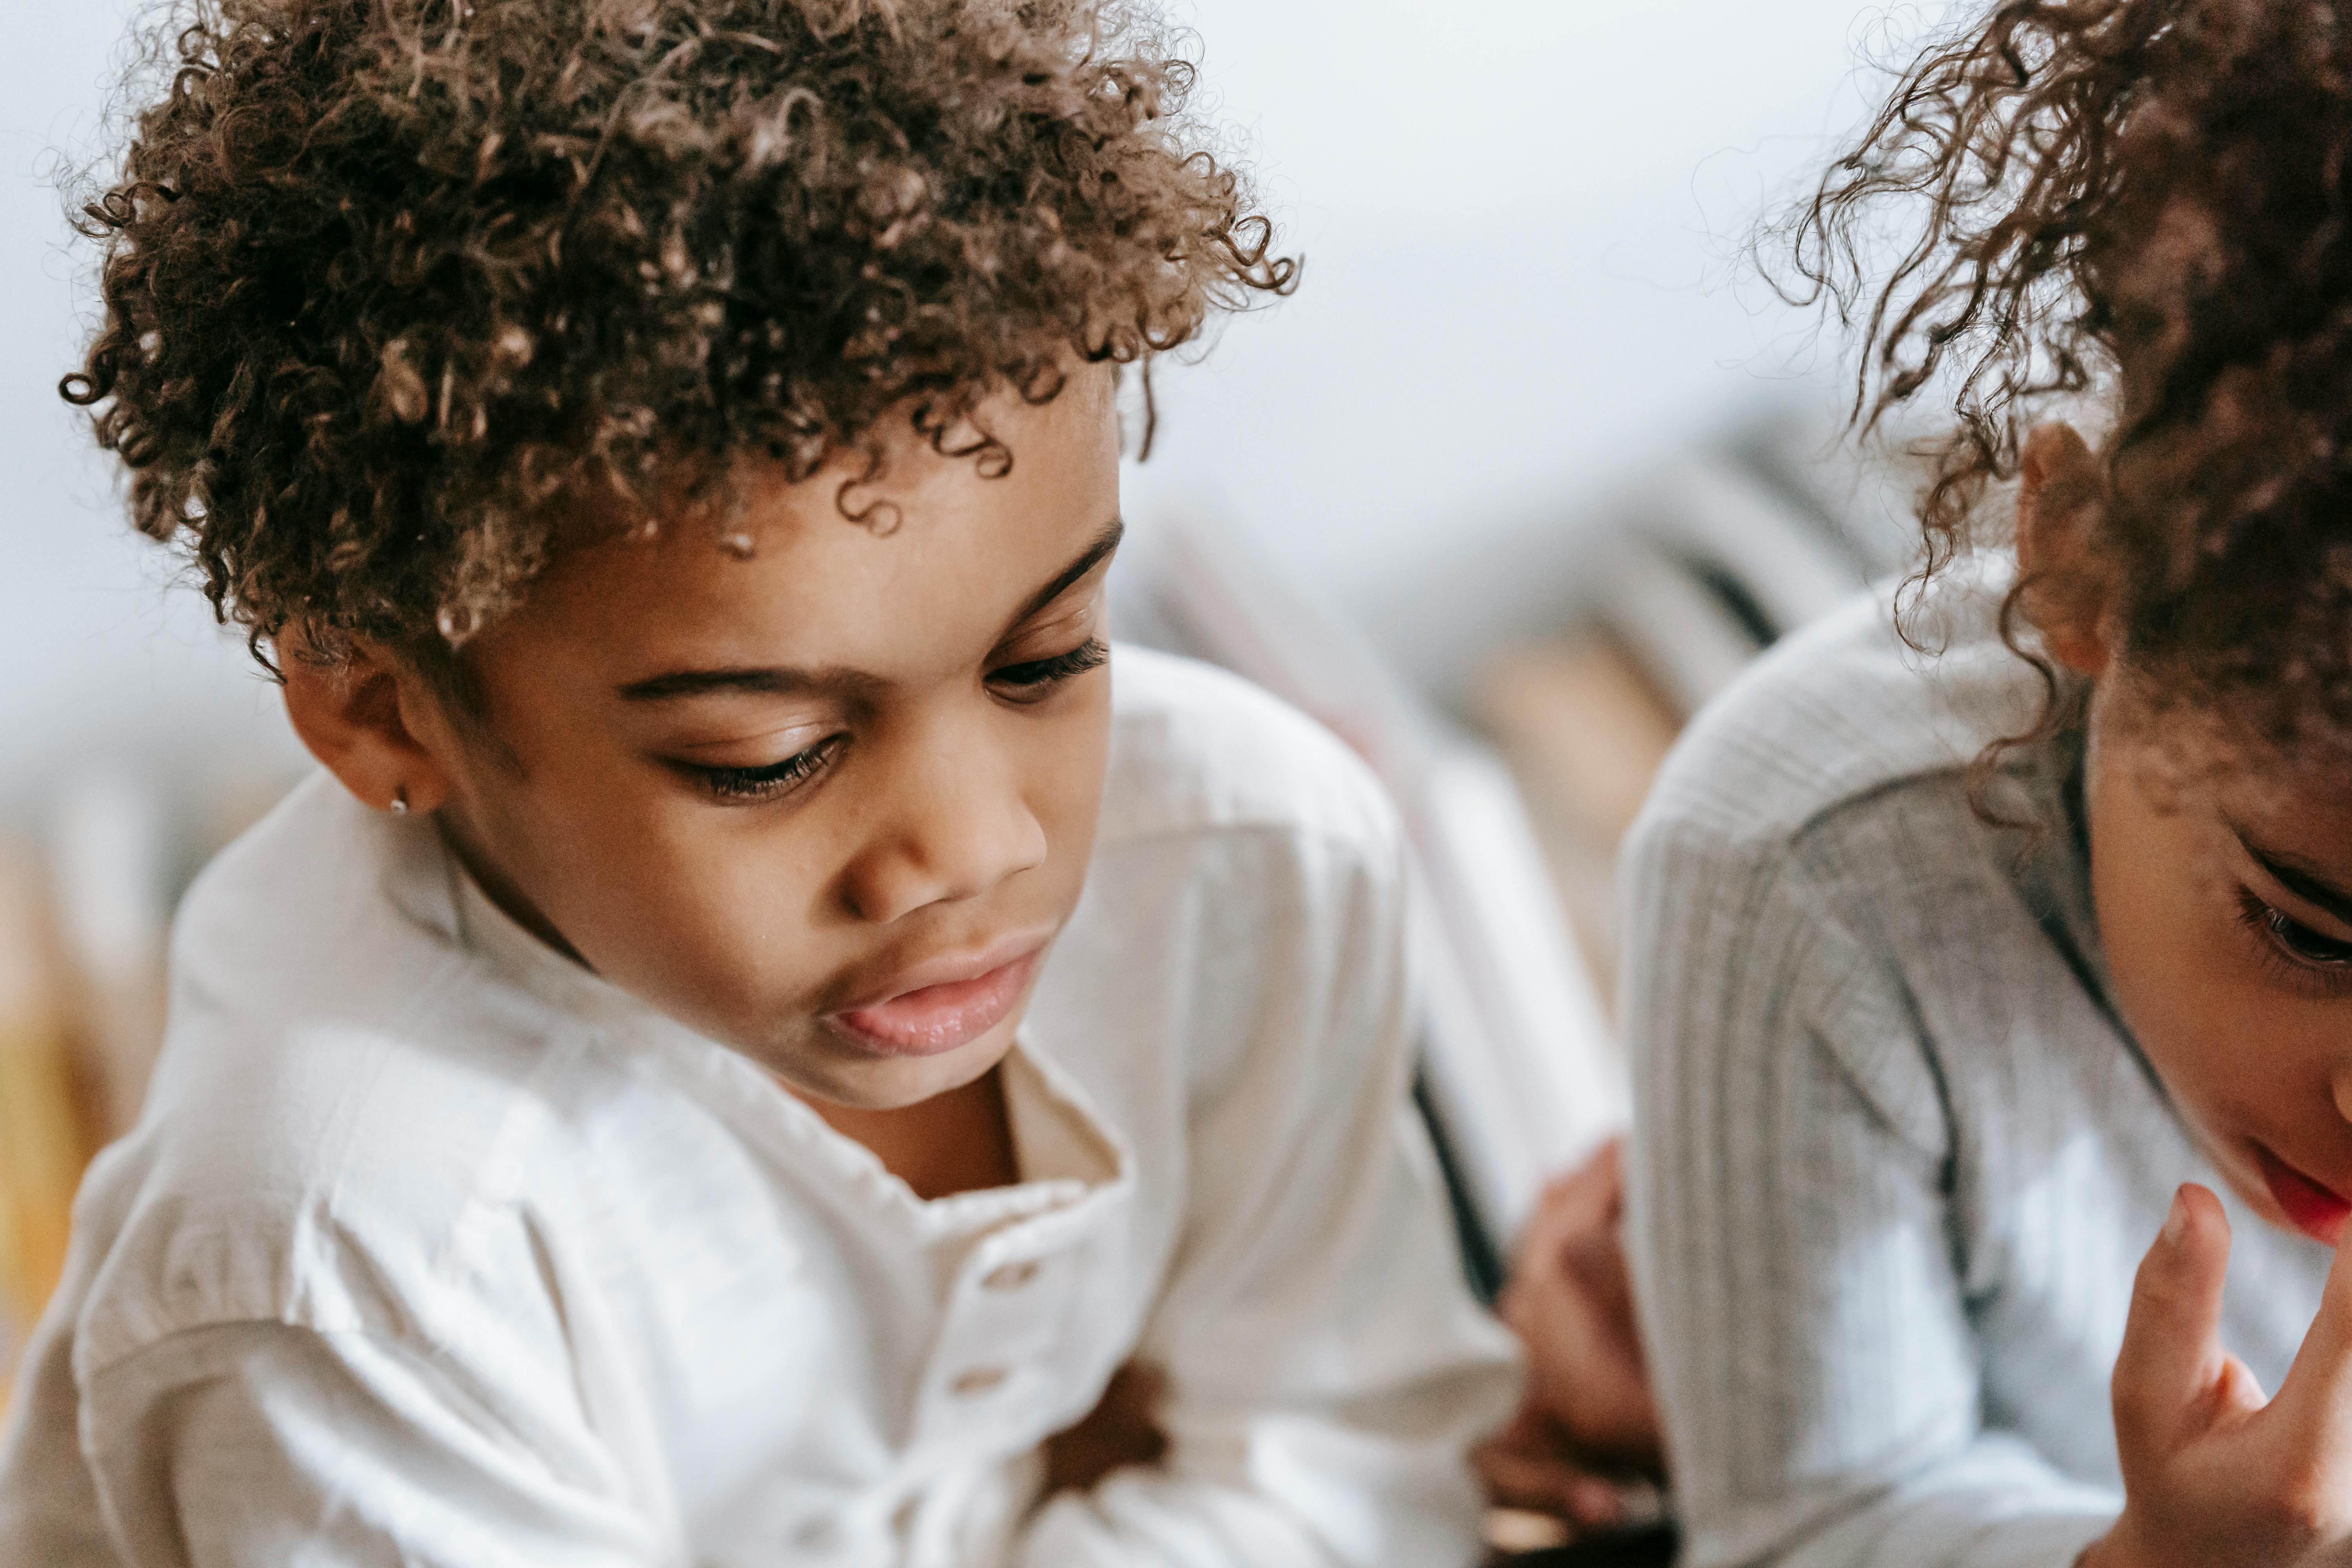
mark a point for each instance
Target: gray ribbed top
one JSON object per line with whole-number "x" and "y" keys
{"x": 1896, "y": 1157}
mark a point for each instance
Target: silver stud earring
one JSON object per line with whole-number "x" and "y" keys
{"x": 400, "y": 800}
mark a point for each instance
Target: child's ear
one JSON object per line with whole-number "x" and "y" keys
{"x": 2061, "y": 503}
{"x": 360, "y": 717}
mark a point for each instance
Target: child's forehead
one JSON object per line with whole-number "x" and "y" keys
{"x": 760, "y": 566}
{"x": 2292, "y": 795}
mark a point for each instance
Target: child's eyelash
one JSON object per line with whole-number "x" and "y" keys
{"x": 1092, "y": 654}
{"x": 736, "y": 785}
{"x": 2296, "y": 951}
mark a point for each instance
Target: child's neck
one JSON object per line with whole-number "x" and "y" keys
{"x": 960, "y": 1142}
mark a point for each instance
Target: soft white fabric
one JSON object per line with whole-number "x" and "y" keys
{"x": 1896, "y": 1158}
{"x": 432, "y": 1249}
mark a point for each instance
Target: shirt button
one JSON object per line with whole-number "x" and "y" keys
{"x": 1009, "y": 1276}
{"x": 979, "y": 1380}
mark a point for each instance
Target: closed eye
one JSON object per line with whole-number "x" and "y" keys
{"x": 1032, "y": 677}
{"x": 747, "y": 786}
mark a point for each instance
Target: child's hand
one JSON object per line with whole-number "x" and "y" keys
{"x": 1531, "y": 1466}
{"x": 2215, "y": 1474}
{"x": 1122, "y": 1429}
{"x": 1587, "y": 1423}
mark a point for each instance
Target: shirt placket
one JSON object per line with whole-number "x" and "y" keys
{"x": 1010, "y": 1343}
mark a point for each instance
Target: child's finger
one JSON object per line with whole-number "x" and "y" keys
{"x": 1584, "y": 1199}
{"x": 2317, "y": 1397}
{"x": 1550, "y": 1484}
{"x": 2172, "y": 1342}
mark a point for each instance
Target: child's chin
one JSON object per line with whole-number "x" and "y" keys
{"x": 845, "y": 1075}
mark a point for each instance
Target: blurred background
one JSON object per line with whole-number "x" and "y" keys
{"x": 1526, "y": 469}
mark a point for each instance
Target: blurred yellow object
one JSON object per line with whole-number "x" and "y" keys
{"x": 111, "y": 843}
{"x": 42, "y": 1147}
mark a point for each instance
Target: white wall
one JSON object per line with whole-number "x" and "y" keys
{"x": 100, "y": 660}
{"x": 1515, "y": 219}
{"x": 1522, "y": 225}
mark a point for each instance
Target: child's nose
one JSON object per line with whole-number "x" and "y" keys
{"x": 956, "y": 823}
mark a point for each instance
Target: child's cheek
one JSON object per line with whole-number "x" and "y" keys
{"x": 1065, "y": 773}
{"x": 2174, "y": 962}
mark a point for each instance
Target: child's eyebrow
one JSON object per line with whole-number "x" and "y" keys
{"x": 765, "y": 680}
{"x": 2295, "y": 878}
{"x": 1094, "y": 555}
{"x": 785, "y": 681}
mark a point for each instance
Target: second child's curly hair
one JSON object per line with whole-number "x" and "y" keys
{"x": 384, "y": 279}
{"x": 2149, "y": 202}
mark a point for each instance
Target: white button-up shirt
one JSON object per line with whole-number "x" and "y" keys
{"x": 432, "y": 1248}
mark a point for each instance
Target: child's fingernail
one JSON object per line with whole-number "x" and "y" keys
{"x": 2176, "y": 1224}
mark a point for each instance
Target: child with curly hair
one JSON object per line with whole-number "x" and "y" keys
{"x": 755, "y": 1049}
{"x": 1991, "y": 991}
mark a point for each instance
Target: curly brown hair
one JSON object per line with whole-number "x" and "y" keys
{"x": 385, "y": 279}
{"x": 2145, "y": 201}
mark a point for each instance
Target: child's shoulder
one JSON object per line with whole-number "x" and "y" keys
{"x": 1243, "y": 906}
{"x": 335, "y": 1106}
{"x": 1847, "y": 710}
{"x": 332, "y": 936}
{"x": 1197, "y": 750}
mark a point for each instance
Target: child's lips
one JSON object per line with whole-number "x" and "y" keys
{"x": 930, "y": 1020}
{"x": 2317, "y": 1211}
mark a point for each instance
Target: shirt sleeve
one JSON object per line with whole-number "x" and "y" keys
{"x": 1327, "y": 1368}
{"x": 1793, "y": 1237}
{"x": 257, "y": 1442}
